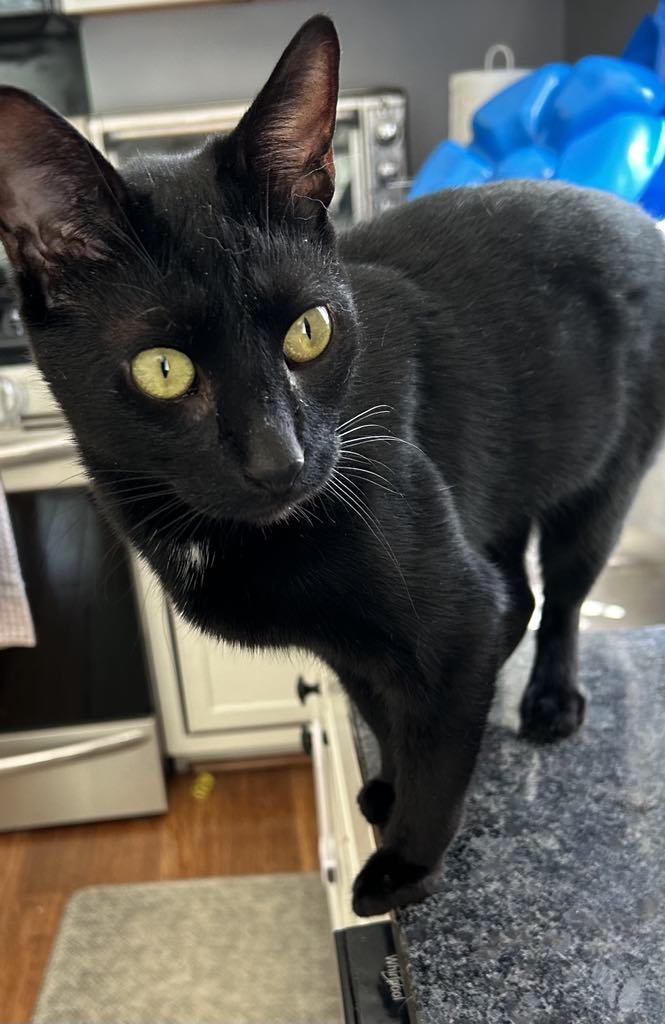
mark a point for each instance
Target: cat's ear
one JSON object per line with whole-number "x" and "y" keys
{"x": 285, "y": 138}
{"x": 57, "y": 192}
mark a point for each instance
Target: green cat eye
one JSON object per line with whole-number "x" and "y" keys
{"x": 308, "y": 336}
{"x": 163, "y": 372}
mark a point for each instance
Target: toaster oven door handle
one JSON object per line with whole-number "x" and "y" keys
{"x": 72, "y": 751}
{"x": 24, "y": 453}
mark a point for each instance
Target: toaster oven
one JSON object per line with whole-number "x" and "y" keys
{"x": 369, "y": 144}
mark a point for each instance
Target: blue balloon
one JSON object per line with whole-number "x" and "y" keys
{"x": 642, "y": 47}
{"x": 599, "y": 123}
{"x": 529, "y": 162}
{"x": 517, "y": 116}
{"x": 450, "y": 164}
{"x": 659, "y": 20}
{"x": 620, "y": 156}
{"x": 598, "y": 88}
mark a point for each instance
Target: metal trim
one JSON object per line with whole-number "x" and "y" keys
{"x": 45, "y": 449}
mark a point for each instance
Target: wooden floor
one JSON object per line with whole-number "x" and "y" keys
{"x": 253, "y": 821}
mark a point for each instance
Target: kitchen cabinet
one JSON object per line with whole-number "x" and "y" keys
{"x": 215, "y": 700}
{"x": 346, "y": 840}
{"x": 225, "y": 687}
{"x": 369, "y": 955}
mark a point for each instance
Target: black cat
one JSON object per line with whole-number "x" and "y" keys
{"x": 343, "y": 443}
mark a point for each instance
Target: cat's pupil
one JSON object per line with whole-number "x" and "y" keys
{"x": 308, "y": 329}
{"x": 166, "y": 366}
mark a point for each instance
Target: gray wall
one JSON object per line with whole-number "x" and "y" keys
{"x": 602, "y": 26}
{"x": 194, "y": 54}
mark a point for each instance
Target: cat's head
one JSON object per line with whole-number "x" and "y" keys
{"x": 190, "y": 313}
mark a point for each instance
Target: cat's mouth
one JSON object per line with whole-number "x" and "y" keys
{"x": 278, "y": 514}
{"x": 262, "y": 507}
{"x": 278, "y": 510}
{"x": 257, "y": 510}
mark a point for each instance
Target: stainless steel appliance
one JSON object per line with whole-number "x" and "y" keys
{"x": 78, "y": 736}
{"x": 369, "y": 144}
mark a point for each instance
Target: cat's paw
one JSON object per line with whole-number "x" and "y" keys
{"x": 547, "y": 716}
{"x": 376, "y": 800}
{"x": 388, "y": 881}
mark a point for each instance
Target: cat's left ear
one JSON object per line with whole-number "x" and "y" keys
{"x": 57, "y": 192}
{"x": 285, "y": 138}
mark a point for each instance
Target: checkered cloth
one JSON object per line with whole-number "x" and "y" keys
{"x": 16, "y": 628}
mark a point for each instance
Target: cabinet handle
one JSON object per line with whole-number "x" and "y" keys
{"x": 327, "y": 852}
{"x": 306, "y": 740}
{"x": 304, "y": 689}
{"x": 71, "y": 751}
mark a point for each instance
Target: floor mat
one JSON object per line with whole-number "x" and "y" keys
{"x": 234, "y": 950}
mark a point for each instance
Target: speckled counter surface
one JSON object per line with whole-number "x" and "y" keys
{"x": 551, "y": 908}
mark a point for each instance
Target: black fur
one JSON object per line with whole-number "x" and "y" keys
{"x": 509, "y": 339}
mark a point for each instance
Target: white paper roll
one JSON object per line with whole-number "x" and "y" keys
{"x": 468, "y": 90}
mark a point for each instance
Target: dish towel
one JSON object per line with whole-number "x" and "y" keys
{"x": 16, "y": 627}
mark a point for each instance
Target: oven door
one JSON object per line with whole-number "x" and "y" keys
{"x": 368, "y": 144}
{"x": 78, "y": 737}
{"x": 88, "y": 664}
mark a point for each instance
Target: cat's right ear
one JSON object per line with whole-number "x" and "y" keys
{"x": 57, "y": 193}
{"x": 285, "y": 139}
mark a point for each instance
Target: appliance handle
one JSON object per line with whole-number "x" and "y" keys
{"x": 72, "y": 751}
{"x": 27, "y": 452}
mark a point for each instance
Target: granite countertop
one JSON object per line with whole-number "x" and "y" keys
{"x": 551, "y": 908}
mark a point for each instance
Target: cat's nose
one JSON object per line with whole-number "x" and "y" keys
{"x": 275, "y": 463}
{"x": 275, "y": 476}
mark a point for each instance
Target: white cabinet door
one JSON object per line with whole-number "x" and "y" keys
{"x": 225, "y": 687}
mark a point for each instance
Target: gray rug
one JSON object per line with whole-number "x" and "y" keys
{"x": 248, "y": 950}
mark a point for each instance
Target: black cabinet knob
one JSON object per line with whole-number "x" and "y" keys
{"x": 303, "y": 689}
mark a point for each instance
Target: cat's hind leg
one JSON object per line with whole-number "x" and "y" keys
{"x": 508, "y": 554}
{"x": 576, "y": 540}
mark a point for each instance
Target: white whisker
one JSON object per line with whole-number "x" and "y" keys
{"x": 379, "y": 410}
{"x": 374, "y": 477}
{"x": 359, "y": 426}
{"x": 383, "y": 437}
{"x": 355, "y": 502}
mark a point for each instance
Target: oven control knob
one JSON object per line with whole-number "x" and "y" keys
{"x": 387, "y": 170}
{"x": 386, "y": 132}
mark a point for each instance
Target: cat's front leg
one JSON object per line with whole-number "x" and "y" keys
{"x": 436, "y": 741}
